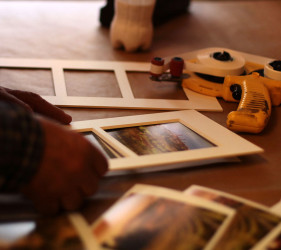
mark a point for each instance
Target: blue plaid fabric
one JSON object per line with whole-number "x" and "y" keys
{"x": 21, "y": 146}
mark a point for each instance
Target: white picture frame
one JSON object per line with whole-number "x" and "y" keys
{"x": 127, "y": 100}
{"x": 225, "y": 144}
{"x": 61, "y": 98}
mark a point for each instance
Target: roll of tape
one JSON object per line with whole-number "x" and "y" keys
{"x": 272, "y": 70}
{"x": 207, "y": 63}
{"x": 157, "y": 66}
{"x": 176, "y": 66}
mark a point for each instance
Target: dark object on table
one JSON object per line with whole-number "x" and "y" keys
{"x": 164, "y": 10}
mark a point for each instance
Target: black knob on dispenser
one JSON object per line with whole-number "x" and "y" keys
{"x": 236, "y": 91}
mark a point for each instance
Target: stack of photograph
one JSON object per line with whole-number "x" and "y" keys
{"x": 150, "y": 217}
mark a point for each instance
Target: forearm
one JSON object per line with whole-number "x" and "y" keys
{"x": 21, "y": 146}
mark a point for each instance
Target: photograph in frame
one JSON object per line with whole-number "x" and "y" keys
{"x": 159, "y": 138}
{"x": 108, "y": 151}
{"x": 186, "y": 130}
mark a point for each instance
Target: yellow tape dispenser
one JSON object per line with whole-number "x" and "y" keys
{"x": 221, "y": 74}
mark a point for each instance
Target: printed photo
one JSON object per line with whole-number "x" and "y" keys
{"x": 49, "y": 233}
{"x": 159, "y": 138}
{"x": 250, "y": 224}
{"x": 143, "y": 221}
{"x": 274, "y": 244}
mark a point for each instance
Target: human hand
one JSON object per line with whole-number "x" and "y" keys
{"x": 34, "y": 103}
{"x": 70, "y": 170}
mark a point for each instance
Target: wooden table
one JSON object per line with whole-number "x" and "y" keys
{"x": 71, "y": 30}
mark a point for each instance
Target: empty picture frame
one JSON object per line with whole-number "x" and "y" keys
{"x": 161, "y": 141}
{"x": 125, "y": 98}
{"x": 121, "y": 70}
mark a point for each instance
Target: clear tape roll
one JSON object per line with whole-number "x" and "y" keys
{"x": 207, "y": 64}
{"x": 269, "y": 72}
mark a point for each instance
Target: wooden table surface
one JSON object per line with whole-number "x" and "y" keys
{"x": 71, "y": 30}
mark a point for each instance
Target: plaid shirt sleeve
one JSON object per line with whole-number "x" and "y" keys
{"x": 21, "y": 146}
